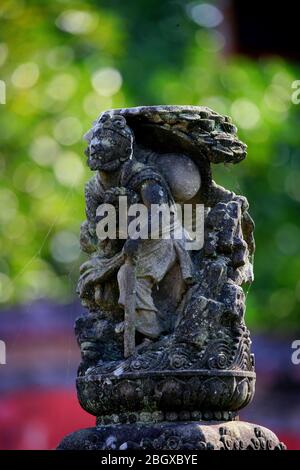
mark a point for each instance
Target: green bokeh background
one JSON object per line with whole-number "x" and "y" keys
{"x": 63, "y": 62}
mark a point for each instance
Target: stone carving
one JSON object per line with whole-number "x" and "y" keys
{"x": 174, "y": 437}
{"x": 164, "y": 337}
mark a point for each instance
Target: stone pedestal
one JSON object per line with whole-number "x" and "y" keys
{"x": 174, "y": 436}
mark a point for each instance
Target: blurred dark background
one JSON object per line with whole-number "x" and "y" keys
{"x": 65, "y": 61}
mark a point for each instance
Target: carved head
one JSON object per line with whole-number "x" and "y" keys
{"x": 110, "y": 143}
{"x": 97, "y": 338}
{"x": 89, "y": 330}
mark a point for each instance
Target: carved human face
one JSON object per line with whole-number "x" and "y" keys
{"x": 106, "y": 150}
{"x": 89, "y": 331}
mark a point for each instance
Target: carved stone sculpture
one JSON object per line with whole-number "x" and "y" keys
{"x": 166, "y": 355}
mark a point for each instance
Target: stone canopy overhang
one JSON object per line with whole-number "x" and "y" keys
{"x": 194, "y": 130}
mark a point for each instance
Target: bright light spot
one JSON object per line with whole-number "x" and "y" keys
{"x": 60, "y": 57}
{"x": 45, "y": 102}
{"x": 77, "y": 22}
{"x": 6, "y": 288}
{"x": 233, "y": 76}
{"x": 3, "y": 53}
{"x": 107, "y": 81}
{"x": 277, "y": 98}
{"x": 16, "y": 228}
{"x": 31, "y": 179}
{"x": 283, "y": 79}
{"x": 45, "y": 189}
{"x": 44, "y": 150}
{"x": 216, "y": 103}
{"x": 211, "y": 41}
{"x": 2, "y": 92}
{"x": 25, "y": 75}
{"x": 205, "y": 14}
{"x": 8, "y": 204}
{"x": 69, "y": 169}
{"x": 61, "y": 87}
{"x": 245, "y": 113}
{"x": 39, "y": 282}
{"x": 68, "y": 131}
{"x": 93, "y": 104}
{"x": 33, "y": 182}
{"x": 65, "y": 247}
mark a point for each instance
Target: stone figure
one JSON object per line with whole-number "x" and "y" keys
{"x": 166, "y": 354}
{"x": 110, "y": 153}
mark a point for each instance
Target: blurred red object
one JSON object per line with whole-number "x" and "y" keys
{"x": 38, "y": 404}
{"x": 38, "y": 420}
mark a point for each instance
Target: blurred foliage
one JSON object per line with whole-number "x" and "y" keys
{"x": 64, "y": 62}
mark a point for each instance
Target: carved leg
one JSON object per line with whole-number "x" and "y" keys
{"x": 148, "y": 324}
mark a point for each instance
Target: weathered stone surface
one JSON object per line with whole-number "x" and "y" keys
{"x": 174, "y": 436}
{"x": 164, "y": 343}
